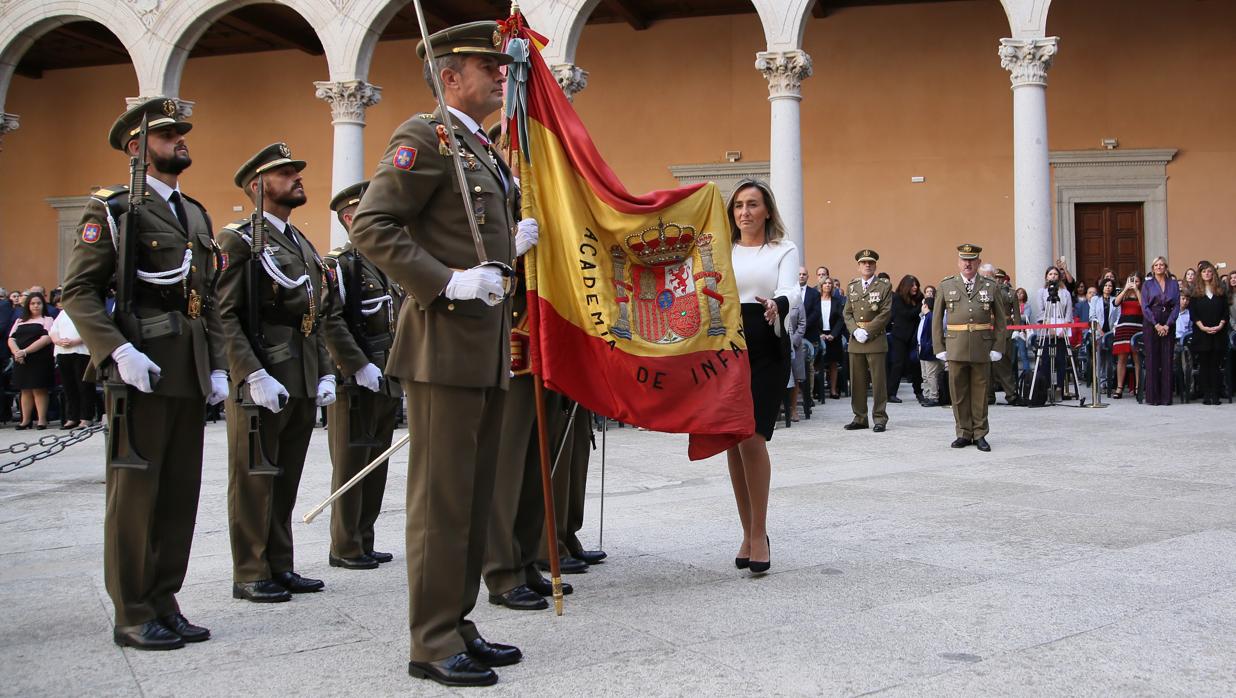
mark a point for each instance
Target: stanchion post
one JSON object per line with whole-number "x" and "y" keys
{"x": 1096, "y": 398}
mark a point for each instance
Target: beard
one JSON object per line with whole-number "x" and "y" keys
{"x": 177, "y": 163}
{"x": 291, "y": 199}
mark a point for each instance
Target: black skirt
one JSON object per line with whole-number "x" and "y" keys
{"x": 770, "y": 367}
{"x": 38, "y": 372}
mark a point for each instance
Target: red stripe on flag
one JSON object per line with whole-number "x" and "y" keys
{"x": 662, "y": 393}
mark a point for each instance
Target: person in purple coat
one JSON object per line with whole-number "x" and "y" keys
{"x": 1160, "y": 306}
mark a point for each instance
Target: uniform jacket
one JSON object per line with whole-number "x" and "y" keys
{"x": 194, "y": 347}
{"x": 369, "y": 305}
{"x": 295, "y": 359}
{"x": 869, "y": 310}
{"x": 983, "y": 306}
{"x": 412, "y": 225}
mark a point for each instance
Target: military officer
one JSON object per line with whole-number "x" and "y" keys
{"x": 517, "y": 519}
{"x": 570, "y": 481}
{"x": 968, "y": 330}
{"x": 868, "y": 307}
{"x": 169, "y": 361}
{"x": 452, "y": 341}
{"x": 283, "y": 368}
{"x": 362, "y": 419}
{"x": 1002, "y": 370}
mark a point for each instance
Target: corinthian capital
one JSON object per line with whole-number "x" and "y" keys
{"x": 1027, "y": 60}
{"x": 348, "y": 99}
{"x": 785, "y": 72}
{"x": 571, "y": 78}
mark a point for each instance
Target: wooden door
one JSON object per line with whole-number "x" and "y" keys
{"x": 1109, "y": 236}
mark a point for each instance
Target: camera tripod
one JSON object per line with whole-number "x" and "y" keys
{"x": 1051, "y": 345}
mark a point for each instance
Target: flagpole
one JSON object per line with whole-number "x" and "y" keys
{"x": 547, "y": 492}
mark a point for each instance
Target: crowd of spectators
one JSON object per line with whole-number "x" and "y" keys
{"x": 43, "y": 363}
{"x": 1143, "y": 325}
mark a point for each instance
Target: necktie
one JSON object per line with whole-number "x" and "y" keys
{"x": 480, "y": 136}
{"x": 179, "y": 209}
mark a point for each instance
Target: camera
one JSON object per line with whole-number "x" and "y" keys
{"x": 1053, "y": 291}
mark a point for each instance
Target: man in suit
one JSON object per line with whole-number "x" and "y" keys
{"x": 361, "y": 421}
{"x": 815, "y": 327}
{"x": 868, "y": 307}
{"x": 282, "y": 366}
{"x": 452, "y": 343}
{"x": 170, "y": 357}
{"x": 968, "y": 331}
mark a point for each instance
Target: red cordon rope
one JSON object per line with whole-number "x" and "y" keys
{"x": 1063, "y": 325}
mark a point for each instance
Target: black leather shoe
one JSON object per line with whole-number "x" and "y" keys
{"x": 894, "y": 398}
{"x": 961, "y": 442}
{"x": 568, "y": 565}
{"x": 364, "y": 562}
{"x": 591, "y": 557}
{"x": 380, "y": 557}
{"x": 879, "y": 428}
{"x": 180, "y": 625}
{"x": 261, "y": 591}
{"x": 742, "y": 563}
{"x": 297, "y": 584}
{"x": 544, "y": 587}
{"x": 493, "y": 654}
{"x": 521, "y": 598}
{"x": 930, "y": 403}
{"x": 150, "y": 635}
{"x": 456, "y": 670}
{"x": 982, "y": 445}
{"x": 854, "y": 426}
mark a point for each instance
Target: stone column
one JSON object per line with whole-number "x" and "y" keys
{"x": 8, "y": 124}
{"x": 348, "y": 100}
{"x": 1027, "y": 60}
{"x": 571, "y": 78}
{"x": 785, "y": 71}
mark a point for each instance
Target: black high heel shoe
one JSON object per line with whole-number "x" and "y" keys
{"x": 742, "y": 562}
{"x": 761, "y": 567}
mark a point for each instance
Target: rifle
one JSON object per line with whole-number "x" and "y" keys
{"x": 259, "y": 463}
{"x": 121, "y": 451}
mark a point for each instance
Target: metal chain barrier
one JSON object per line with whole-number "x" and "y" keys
{"x": 51, "y": 445}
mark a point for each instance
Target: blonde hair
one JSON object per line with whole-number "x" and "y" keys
{"x": 1167, "y": 271}
{"x": 774, "y": 229}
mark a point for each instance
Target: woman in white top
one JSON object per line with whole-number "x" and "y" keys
{"x": 72, "y": 357}
{"x": 766, "y": 272}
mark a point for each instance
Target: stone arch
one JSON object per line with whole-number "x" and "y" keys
{"x": 27, "y": 20}
{"x": 784, "y": 22}
{"x": 1027, "y": 18}
{"x": 184, "y": 22}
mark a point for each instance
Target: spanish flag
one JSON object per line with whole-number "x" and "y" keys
{"x": 633, "y": 309}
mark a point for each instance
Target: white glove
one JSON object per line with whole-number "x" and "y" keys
{"x": 943, "y": 356}
{"x": 265, "y": 390}
{"x": 218, "y": 387}
{"x": 996, "y": 356}
{"x": 135, "y": 367}
{"x": 527, "y": 233}
{"x": 326, "y": 391}
{"x": 861, "y": 335}
{"x": 483, "y": 282}
{"x": 369, "y": 378}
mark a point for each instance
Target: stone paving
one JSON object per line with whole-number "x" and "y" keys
{"x": 1093, "y": 552}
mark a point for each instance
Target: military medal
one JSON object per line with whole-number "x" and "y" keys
{"x": 874, "y": 297}
{"x": 444, "y": 147}
{"x": 479, "y": 210}
{"x": 195, "y": 304}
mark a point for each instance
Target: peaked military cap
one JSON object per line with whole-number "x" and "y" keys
{"x": 461, "y": 39}
{"x": 161, "y": 112}
{"x": 268, "y": 158}
{"x": 350, "y": 196}
{"x": 866, "y": 256}
{"x": 968, "y": 251}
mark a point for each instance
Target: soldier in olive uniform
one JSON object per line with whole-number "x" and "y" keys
{"x": 283, "y": 366}
{"x": 362, "y": 419}
{"x": 968, "y": 330}
{"x": 148, "y": 525}
{"x": 868, "y": 307}
{"x": 1002, "y": 371}
{"x": 452, "y": 343}
{"x": 517, "y": 519}
{"x": 570, "y": 482}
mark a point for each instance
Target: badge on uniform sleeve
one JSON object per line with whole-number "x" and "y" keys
{"x": 91, "y": 232}
{"x": 330, "y": 274}
{"x": 404, "y": 158}
{"x": 222, "y": 261}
